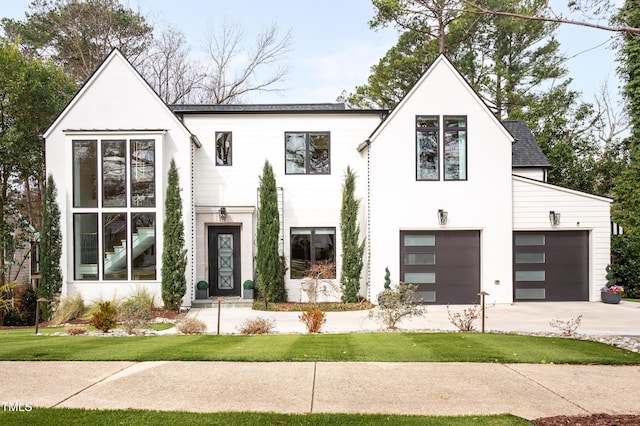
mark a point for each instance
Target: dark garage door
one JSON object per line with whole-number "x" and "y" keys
{"x": 551, "y": 266}
{"x": 445, "y": 265}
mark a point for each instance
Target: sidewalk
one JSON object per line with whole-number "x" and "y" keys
{"x": 525, "y": 390}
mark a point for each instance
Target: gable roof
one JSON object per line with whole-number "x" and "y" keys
{"x": 525, "y": 152}
{"x": 441, "y": 60}
{"x": 113, "y": 56}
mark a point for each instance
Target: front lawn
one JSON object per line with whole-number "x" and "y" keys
{"x": 22, "y": 345}
{"x": 70, "y": 417}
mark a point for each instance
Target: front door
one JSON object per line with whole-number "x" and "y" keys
{"x": 224, "y": 261}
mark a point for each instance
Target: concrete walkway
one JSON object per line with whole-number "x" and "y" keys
{"x": 526, "y": 390}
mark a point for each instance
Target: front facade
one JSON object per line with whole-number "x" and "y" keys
{"x": 452, "y": 200}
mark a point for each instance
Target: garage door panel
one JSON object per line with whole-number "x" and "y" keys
{"x": 563, "y": 273}
{"x": 446, "y": 268}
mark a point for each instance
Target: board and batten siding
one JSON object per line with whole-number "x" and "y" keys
{"x": 532, "y": 202}
{"x": 309, "y": 200}
{"x": 536, "y": 173}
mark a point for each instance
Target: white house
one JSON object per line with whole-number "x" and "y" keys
{"x": 452, "y": 199}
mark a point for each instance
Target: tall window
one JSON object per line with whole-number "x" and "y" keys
{"x": 307, "y": 153}
{"x": 429, "y": 150}
{"x": 428, "y": 147}
{"x": 455, "y": 148}
{"x": 223, "y": 148}
{"x": 311, "y": 245}
{"x": 116, "y": 239}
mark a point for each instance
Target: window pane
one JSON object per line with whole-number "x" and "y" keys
{"x": 530, "y": 293}
{"x": 419, "y": 240}
{"x": 455, "y": 122}
{"x": 114, "y": 176}
{"x": 420, "y": 259}
{"x": 300, "y": 252}
{"x": 225, "y": 261}
{"x": 85, "y": 246}
{"x": 455, "y": 155}
{"x": 143, "y": 246}
{"x": 319, "y": 153}
{"x": 296, "y": 153}
{"x": 114, "y": 236}
{"x": 529, "y": 240}
{"x": 427, "y": 121}
{"x": 143, "y": 174}
{"x": 85, "y": 166}
{"x": 427, "y": 155}
{"x": 323, "y": 244}
{"x": 530, "y": 258}
{"x": 420, "y": 277}
{"x": 223, "y": 148}
{"x": 530, "y": 275}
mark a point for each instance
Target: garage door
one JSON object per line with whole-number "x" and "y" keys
{"x": 445, "y": 265}
{"x": 552, "y": 266}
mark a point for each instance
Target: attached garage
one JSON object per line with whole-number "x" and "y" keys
{"x": 551, "y": 266}
{"x": 445, "y": 265}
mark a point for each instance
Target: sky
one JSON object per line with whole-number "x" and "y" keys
{"x": 333, "y": 47}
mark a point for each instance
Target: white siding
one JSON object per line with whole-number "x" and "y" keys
{"x": 532, "y": 202}
{"x": 309, "y": 200}
{"x": 531, "y": 173}
{"x": 483, "y": 202}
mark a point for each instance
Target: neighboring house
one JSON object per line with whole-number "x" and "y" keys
{"x": 452, "y": 199}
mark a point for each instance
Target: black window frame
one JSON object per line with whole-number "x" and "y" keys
{"x": 446, "y": 129}
{"x": 307, "y": 162}
{"x": 425, "y": 129}
{"x": 230, "y": 154}
{"x": 312, "y": 259}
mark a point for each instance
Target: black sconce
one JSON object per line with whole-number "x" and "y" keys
{"x": 442, "y": 217}
{"x": 223, "y": 214}
{"x": 554, "y": 218}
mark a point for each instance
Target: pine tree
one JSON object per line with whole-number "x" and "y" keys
{"x": 50, "y": 248}
{"x": 352, "y": 250}
{"x": 174, "y": 255}
{"x": 268, "y": 263}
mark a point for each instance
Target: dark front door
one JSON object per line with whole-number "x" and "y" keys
{"x": 224, "y": 261}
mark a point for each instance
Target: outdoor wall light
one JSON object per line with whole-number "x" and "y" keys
{"x": 554, "y": 218}
{"x": 223, "y": 214}
{"x": 442, "y": 217}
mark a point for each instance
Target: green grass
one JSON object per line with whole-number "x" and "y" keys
{"x": 22, "y": 345}
{"x": 65, "y": 416}
{"x": 631, "y": 300}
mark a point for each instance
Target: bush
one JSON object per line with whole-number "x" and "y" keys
{"x": 464, "y": 320}
{"x": 75, "y": 331}
{"x": 190, "y": 325}
{"x": 569, "y": 327}
{"x": 70, "y": 308}
{"x": 136, "y": 311}
{"x": 104, "y": 319}
{"x": 396, "y": 304}
{"x": 313, "y": 319}
{"x": 257, "y": 326}
{"x": 625, "y": 254}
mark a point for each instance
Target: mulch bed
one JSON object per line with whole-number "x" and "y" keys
{"x": 592, "y": 420}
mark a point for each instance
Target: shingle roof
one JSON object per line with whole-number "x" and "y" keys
{"x": 525, "y": 151}
{"x": 261, "y": 108}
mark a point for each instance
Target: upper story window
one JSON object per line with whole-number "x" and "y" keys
{"x": 223, "y": 148}
{"x": 429, "y": 133}
{"x": 307, "y": 153}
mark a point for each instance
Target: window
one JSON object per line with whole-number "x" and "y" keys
{"x": 429, "y": 150}
{"x": 223, "y": 148}
{"x": 455, "y": 148}
{"x": 307, "y": 153}
{"x": 116, "y": 239}
{"x": 310, "y": 245}
{"x": 428, "y": 147}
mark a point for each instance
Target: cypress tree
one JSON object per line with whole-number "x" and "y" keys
{"x": 50, "y": 248}
{"x": 352, "y": 249}
{"x": 174, "y": 254}
{"x": 268, "y": 264}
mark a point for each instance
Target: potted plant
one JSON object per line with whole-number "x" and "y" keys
{"x": 202, "y": 290}
{"x": 248, "y": 287}
{"x": 611, "y": 294}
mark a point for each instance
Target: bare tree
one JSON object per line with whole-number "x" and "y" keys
{"x": 169, "y": 70}
{"x": 235, "y": 70}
